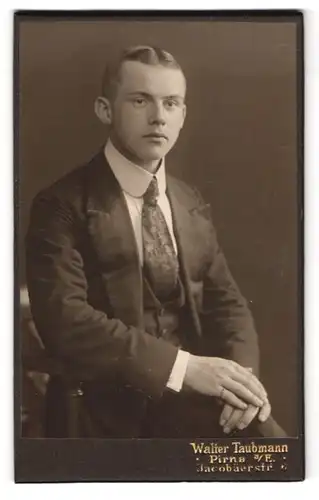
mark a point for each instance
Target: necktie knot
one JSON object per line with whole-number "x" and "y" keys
{"x": 152, "y": 193}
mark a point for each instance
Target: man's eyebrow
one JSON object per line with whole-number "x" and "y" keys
{"x": 175, "y": 96}
{"x": 150, "y": 96}
{"x": 139, "y": 92}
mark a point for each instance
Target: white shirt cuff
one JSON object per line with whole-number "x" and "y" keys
{"x": 176, "y": 378}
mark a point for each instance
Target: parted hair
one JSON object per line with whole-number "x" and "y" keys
{"x": 146, "y": 54}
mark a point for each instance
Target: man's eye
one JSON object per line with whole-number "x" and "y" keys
{"x": 171, "y": 103}
{"x": 139, "y": 102}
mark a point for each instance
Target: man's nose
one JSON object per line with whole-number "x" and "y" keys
{"x": 157, "y": 114}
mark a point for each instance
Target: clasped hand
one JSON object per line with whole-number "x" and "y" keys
{"x": 243, "y": 394}
{"x": 232, "y": 418}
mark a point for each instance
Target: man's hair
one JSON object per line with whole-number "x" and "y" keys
{"x": 152, "y": 56}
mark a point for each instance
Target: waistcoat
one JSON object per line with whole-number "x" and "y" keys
{"x": 162, "y": 317}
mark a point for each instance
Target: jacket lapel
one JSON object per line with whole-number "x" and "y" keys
{"x": 114, "y": 243}
{"x": 183, "y": 222}
{"x": 192, "y": 226}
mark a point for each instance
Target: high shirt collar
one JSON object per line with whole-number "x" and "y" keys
{"x": 133, "y": 179}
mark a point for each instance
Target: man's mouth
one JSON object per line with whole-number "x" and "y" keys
{"x": 155, "y": 135}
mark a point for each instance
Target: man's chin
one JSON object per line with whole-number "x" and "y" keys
{"x": 154, "y": 153}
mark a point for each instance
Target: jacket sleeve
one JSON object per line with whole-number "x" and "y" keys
{"x": 87, "y": 341}
{"x": 227, "y": 323}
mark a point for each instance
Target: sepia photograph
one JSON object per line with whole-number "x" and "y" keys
{"x": 159, "y": 177}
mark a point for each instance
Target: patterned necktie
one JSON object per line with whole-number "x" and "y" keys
{"x": 160, "y": 259}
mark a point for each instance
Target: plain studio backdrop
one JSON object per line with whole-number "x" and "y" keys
{"x": 238, "y": 146}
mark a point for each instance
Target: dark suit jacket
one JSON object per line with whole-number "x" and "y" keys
{"x": 85, "y": 286}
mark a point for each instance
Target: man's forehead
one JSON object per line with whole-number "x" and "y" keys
{"x": 137, "y": 76}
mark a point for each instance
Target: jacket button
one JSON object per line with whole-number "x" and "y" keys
{"x": 162, "y": 331}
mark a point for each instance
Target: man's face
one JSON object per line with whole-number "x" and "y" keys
{"x": 148, "y": 111}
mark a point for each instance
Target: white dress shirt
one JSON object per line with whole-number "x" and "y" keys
{"x": 134, "y": 181}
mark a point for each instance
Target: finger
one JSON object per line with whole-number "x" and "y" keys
{"x": 265, "y": 412}
{"x": 225, "y": 414}
{"x": 220, "y": 402}
{"x": 248, "y": 369}
{"x": 241, "y": 369}
{"x": 242, "y": 392}
{"x": 247, "y": 417}
{"x": 260, "y": 385}
{"x": 233, "y": 420}
{"x": 252, "y": 383}
{"x": 230, "y": 398}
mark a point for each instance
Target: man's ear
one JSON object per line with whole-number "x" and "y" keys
{"x": 184, "y": 115}
{"x": 103, "y": 110}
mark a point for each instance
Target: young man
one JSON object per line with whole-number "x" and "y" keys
{"x": 128, "y": 286}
